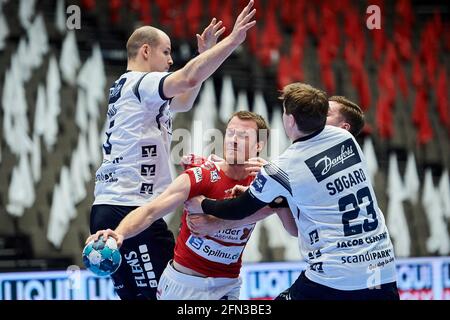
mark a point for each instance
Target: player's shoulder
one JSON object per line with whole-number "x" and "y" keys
{"x": 279, "y": 167}
{"x": 192, "y": 160}
{"x": 203, "y": 173}
{"x": 284, "y": 160}
{"x": 332, "y": 132}
{"x": 142, "y": 76}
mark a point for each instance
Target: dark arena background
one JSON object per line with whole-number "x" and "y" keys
{"x": 59, "y": 58}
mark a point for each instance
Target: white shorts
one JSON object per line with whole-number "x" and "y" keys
{"x": 174, "y": 285}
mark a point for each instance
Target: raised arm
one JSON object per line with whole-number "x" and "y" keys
{"x": 203, "y": 66}
{"x": 141, "y": 218}
{"x": 205, "y": 41}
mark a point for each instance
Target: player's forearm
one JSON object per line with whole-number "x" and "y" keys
{"x": 143, "y": 217}
{"x": 204, "y": 65}
{"x": 135, "y": 222}
{"x": 233, "y": 209}
{"x": 257, "y": 216}
{"x": 288, "y": 221}
{"x": 185, "y": 101}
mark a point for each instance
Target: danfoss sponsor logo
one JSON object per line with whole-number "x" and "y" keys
{"x": 415, "y": 281}
{"x": 328, "y": 163}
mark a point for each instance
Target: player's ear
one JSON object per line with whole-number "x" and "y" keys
{"x": 145, "y": 50}
{"x": 260, "y": 145}
{"x": 291, "y": 121}
{"x": 345, "y": 126}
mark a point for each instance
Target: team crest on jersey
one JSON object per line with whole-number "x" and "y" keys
{"x": 148, "y": 170}
{"x": 214, "y": 176}
{"x": 314, "y": 236}
{"x": 333, "y": 160}
{"x": 149, "y": 151}
{"x": 146, "y": 188}
{"x": 259, "y": 182}
{"x": 197, "y": 174}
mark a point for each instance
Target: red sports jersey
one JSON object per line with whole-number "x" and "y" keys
{"x": 219, "y": 255}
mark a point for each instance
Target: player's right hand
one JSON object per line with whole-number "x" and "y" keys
{"x": 194, "y": 205}
{"x": 202, "y": 224}
{"x": 253, "y": 165}
{"x": 106, "y": 233}
{"x": 243, "y": 24}
{"x": 236, "y": 191}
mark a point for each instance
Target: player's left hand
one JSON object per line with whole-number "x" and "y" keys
{"x": 194, "y": 205}
{"x": 191, "y": 160}
{"x": 236, "y": 191}
{"x": 208, "y": 38}
{"x": 203, "y": 224}
{"x": 254, "y": 165}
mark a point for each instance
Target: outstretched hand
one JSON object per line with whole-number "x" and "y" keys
{"x": 208, "y": 38}
{"x": 243, "y": 24}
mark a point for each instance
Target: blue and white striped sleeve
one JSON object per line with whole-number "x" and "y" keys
{"x": 270, "y": 183}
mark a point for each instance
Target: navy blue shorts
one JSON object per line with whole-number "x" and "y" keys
{"x": 305, "y": 289}
{"x": 144, "y": 256}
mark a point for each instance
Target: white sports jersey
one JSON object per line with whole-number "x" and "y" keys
{"x": 135, "y": 165}
{"x": 342, "y": 233}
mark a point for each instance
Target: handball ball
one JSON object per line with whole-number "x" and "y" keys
{"x": 102, "y": 257}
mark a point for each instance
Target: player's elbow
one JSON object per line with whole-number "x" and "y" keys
{"x": 192, "y": 82}
{"x": 180, "y": 82}
{"x": 192, "y": 75}
{"x": 292, "y": 231}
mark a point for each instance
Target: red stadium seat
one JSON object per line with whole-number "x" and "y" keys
{"x": 193, "y": 16}
{"x": 88, "y": 4}
{"x": 402, "y": 81}
{"x": 114, "y": 10}
{"x": 384, "y": 118}
{"x": 145, "y": 12}
{"x": 442, "y": 98}
{"x": 284, "y": 72}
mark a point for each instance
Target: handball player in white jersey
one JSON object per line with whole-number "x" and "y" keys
{"x": 135, "y": 166}
{"x": 342, "y": 113}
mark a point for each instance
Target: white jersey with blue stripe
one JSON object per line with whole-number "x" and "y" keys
{"x": 342, "y": 231}
{"x": 136, "y": 150}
